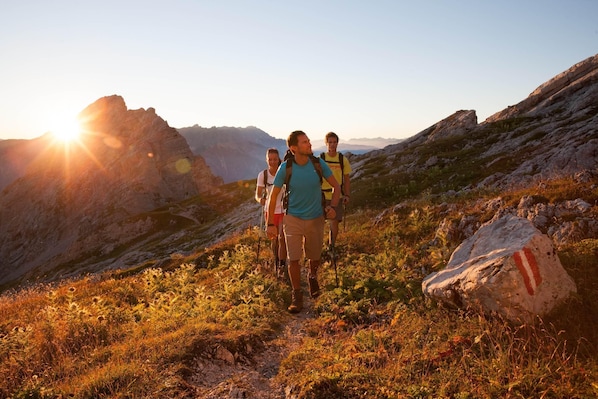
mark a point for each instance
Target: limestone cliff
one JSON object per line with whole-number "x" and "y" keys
{"x": 80, "y": 201}
{"x": 551, "y": 133}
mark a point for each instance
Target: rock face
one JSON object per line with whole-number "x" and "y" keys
{"x": 82, "y": 201}
{"x": 15, "y": 156}
{"x": 550, "y": 134}
{"x": 461, "y": 122}
{"x": 545, "y": 99}
{"x": 508, "y": 267}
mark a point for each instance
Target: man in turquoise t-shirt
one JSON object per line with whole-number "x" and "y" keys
{"x": 304, "y": 221}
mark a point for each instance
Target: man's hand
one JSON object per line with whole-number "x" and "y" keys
{"x": 330, "y": 212}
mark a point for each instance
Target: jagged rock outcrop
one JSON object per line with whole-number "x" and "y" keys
{"x": 552, "y": 133}
{"x": 83, "y": 201}
{"x": 508, "y": 267}
{"x": 460, "y": 123}
{"x": 554, "y": 130}
{"x": 564, "y": 221}
{"x": 546, "y": 99}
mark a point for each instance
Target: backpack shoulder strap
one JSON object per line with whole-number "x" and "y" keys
{"x": 341, "y": 161}
{"x": 289, "y": 171}
{"x": 287, "y": 178}
{"x": 316, "y": 162}
{"x": 266, "y": 183}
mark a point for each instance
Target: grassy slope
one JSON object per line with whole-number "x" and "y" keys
{"x": 138, "y": 333}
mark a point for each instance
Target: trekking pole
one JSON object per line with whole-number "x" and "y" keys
{"x": 261, "y": 226}
{"x": 333, "y": 256}
{"x": 259, "y": 234}
{"x": 344, "y": 217}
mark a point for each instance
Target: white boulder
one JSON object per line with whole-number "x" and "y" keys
{"x": 508, "y": 267}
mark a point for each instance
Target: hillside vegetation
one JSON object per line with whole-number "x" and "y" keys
{"x": 143, "y": 332}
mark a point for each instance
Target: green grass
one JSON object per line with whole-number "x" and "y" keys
{"x": 136, "y": 333}
{"x": 132, "y": 335}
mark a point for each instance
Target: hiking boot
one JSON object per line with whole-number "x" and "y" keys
{"x": 314, "y": 287}
{"x": 297, "y": 302}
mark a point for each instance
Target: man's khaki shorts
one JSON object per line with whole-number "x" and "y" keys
{"x": 303, "y": 235}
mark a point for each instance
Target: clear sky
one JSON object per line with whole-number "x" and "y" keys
{"x": 378, "y": 68}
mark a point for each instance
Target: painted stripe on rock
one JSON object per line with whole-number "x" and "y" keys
{"x": 528, "y": 267}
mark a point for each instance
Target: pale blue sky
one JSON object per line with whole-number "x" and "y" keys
{"x": 359, "y": 68}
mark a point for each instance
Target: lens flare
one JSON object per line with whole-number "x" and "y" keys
{"x": 183, "y": 166}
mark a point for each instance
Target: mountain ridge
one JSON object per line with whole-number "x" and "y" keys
{"x": 239, "y": 153}
{"x": 85, "y": 199}
{"x": 551, "y": 135}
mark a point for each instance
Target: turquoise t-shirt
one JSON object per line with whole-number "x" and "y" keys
{"x": 305, "y": 190}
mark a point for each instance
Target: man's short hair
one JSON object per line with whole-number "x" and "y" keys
{"x": 294, "y": 138}
{"x": 329, "y": 135}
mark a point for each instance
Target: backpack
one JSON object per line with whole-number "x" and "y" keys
{"x": 266, "y": 184}
{"x": 341, "y": 161}
{"x": 290, "y": 159}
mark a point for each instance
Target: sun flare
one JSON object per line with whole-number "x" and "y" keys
{"x": 66, "y": 129}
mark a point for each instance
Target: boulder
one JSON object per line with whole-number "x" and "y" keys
{"x": 507, "y": 267}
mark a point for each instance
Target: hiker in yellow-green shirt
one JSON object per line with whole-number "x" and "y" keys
{"x": 341, "y": 168}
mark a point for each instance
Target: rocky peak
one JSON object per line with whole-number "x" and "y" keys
{"x": 126, "y": 162}
{"x": 545, "y": 99}
{"x": 457, "y": 124}
{"x": 551, "y": 133}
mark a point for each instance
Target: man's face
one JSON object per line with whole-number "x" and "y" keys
{"x": 303, "y": 145}
{"x": 331, "y": 144}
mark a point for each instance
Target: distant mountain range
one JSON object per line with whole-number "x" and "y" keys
{"x": 232, "y": 153}
{"x": 235, "y": 153}
{"x": 356, "y": 146}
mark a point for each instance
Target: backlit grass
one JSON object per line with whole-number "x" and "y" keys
{"x": 137, "y": 333}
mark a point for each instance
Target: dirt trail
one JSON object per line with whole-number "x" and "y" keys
{"x": 229, "y": 378}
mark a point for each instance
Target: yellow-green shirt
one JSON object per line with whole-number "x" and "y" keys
{"x": 335, "y": 166}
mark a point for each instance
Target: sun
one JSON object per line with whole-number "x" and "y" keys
{"x": 66, "y": 129}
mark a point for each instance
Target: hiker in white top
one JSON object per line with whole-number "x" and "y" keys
{"x": 263, "y": 188}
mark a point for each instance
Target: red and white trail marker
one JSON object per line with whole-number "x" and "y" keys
{"x": 528, "y": 267}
